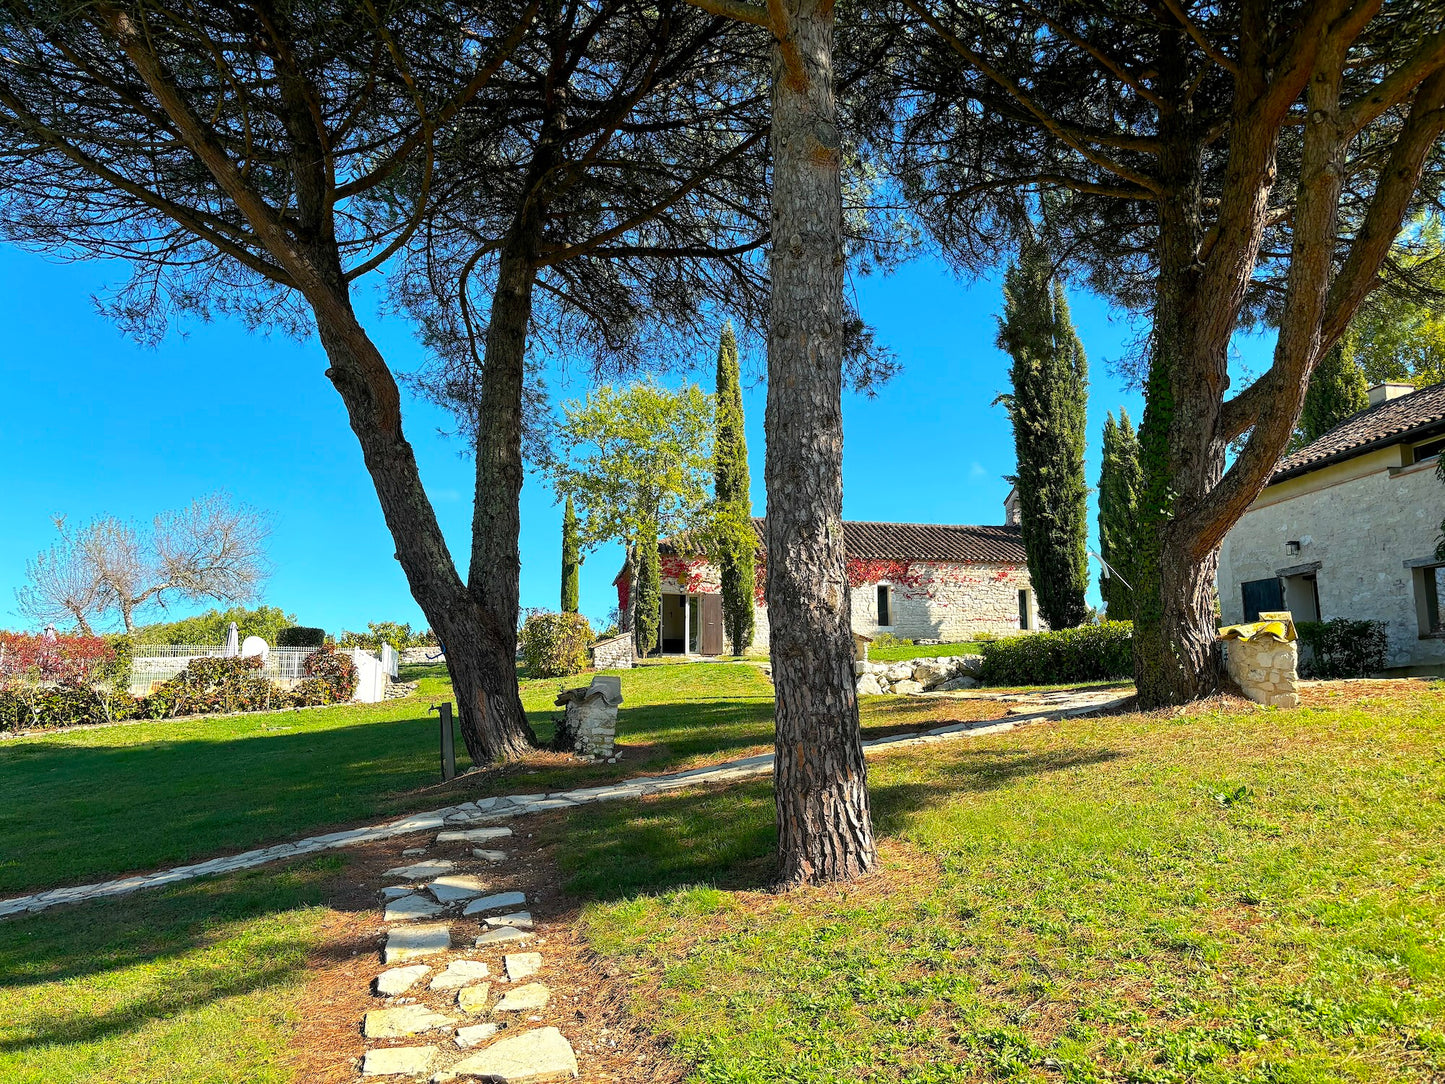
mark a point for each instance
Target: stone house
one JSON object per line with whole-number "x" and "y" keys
{"x": 918, "y": 581}
{"x": 1347, "y": 527}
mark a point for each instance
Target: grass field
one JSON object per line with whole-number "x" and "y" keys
{"x": 97, "y": 802}
{"x": 898, "y": 652}
{"x": 1252, "y": 898}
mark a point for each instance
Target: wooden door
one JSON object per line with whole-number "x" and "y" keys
{"x": 712, "y": 625}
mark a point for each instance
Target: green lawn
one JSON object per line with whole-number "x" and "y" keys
{"x": 898, "y": 652}
{"x": 94, "y": 803}
{"x": 197, "y": 983}
{"x": 1252, "y": 899}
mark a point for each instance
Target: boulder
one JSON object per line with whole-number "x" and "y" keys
{"x": 907, "y": 687}
{"x": 963, "y": 681}
{"x": 969, "y": 664}
{"x": 930, "y": 672}
{"x": 899, "y": 671}
{"x": 868, "y": 686}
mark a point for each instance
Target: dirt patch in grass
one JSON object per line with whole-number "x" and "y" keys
{"x": 590, "y": 1002}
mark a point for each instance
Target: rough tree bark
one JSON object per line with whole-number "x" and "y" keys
{"x": 825, "y": 830}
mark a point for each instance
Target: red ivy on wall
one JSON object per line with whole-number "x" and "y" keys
{"x": 862, "y": 571}
{"x": 690, "y": 572}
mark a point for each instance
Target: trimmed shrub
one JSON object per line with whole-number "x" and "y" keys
{"x": 300, "y": 636}
{"x": 555, "y": 645}
{"x": 887, "y": 639}
{"x": 1088, "y": 653}
{"x": 1342, "y": 648}
{"x": 330, "y": 678}
{"x": 211, "y": 686}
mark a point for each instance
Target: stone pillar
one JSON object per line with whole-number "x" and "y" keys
{"x": 592, "y": 716}
{"x": 1266, "y": 670}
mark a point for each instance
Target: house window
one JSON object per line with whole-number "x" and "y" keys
{"x": 1428, "y": 450}
{"x": 1430, "y": 599}
{"x": 885, "y": 605}
{"x": 1024, "y": 609}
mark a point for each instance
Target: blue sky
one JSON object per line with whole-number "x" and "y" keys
{"x": 91, "y": 423}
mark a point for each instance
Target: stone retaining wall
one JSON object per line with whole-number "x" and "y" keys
{"x": 614, "y": 653}
{"x": 909, "y": 676}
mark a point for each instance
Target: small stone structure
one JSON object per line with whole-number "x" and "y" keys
{"x": 421, "y": 656}
{"x": 613, "y": 653}
{"x": 1263, "y": 659}
{"x": 912, "y": 676}
{"x": 592, "y": 715}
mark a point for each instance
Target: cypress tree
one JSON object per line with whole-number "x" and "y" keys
{"x": 731, "y": 487}
{"x": 1047, "y": 408}
{"x": 1336, "y": 390}
{"x": 571, "y": 560}
{"x": 647, "y": 605}
{"x": 1120, "y": 480}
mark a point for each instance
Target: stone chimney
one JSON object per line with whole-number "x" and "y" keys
{"x": 1382, "y": 393}
{"x": 1011, "y": 508}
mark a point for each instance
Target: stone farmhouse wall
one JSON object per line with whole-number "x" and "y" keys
{"x": 931, "y": 600}
{"x": 1362, "y": 524}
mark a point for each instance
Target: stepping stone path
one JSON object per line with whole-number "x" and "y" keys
{"x": 498, "y": 902}
{"x": 501, "y": 1051}
{"x": 534, "y": 1056}
{"x": 399, "y": 979}
{"x": 411, "y": 907}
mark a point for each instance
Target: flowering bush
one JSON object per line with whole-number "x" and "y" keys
{"x": 330, "y": 678}
{"x": 208, "y": 686}
{"x": 555, "y": 645}
{"x": 60, "y": 681}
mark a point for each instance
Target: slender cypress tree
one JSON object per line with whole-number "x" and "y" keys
{"x": 736, "y": 543}
{"x": 1120, "y": 480}
{"x": 1047, "y": 407}
{"x": 647, "y": 605}
{"x": 571, "y": 560}
{"x": 1336, "y": 390}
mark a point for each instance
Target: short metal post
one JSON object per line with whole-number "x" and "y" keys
{"x": 449, "y": 748}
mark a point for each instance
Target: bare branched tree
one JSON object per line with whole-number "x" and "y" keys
{"x": 211, "y": 549}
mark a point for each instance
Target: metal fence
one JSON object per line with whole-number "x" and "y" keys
{"x": 154, "y": 663}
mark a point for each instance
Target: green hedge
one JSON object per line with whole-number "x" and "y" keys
{"x": 555, "y": 645}
{"x": 1343, "y": 648}
{"x": 1102, "y": 652}
{"x": 300, "y": 636}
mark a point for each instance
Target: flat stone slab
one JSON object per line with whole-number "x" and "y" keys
{"x": 519, "y": 920}
{"x": 460, "y": 973}
{"x": 457, "y": 886}
{"x": 402, "y": 1021}
{"x": 395, "y": 892}
{"x": 498, "y": 902}
{"x": 473, "y": 835}
{"x": 399, "y": 979}
{"x": 528, "y": 998}
{"x": 542, "y": 1054}
{"x": 422, "y": 871}
{"x": 411, "y": 907}
{"x": 474, "y": 1035}
{"x": 488, "y": 856}
{"x": 502, "y": 936}
{"x": 522, "y": 965}
{"x": 473, "y": 999}
{"x": 398, "y": 1061}
{"x": 412, "y": 852}
{"x": 409, "y": 942}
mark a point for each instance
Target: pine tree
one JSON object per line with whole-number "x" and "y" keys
{"x": 1047, "y": 407}
{"x": 647, "y": 605}
{"x": 736, "y": 543}
{"x": 1120, "y": 480}
{"x": 1336, "y": 390}
{"x": 571, "y": 560}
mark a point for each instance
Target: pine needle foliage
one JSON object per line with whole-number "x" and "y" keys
{"x": 1047, "y": 408}
{"x": 736, "y": 542}
{"x": 1120, "y": 480}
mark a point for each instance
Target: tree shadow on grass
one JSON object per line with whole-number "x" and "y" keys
{"x": 153, "y": 956}
{"x": 726, "y": 836}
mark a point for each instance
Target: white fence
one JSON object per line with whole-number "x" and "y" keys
{"x": 155, "y": 663}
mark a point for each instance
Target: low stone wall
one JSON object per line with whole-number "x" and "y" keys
{"x": 911, "y": 676}
{"x": 614, "y": 653}
{"x": 420, "y": 656}
{"x": 1266, "y": 671}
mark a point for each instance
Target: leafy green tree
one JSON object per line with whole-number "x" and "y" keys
{"x": 571, "y": 559}
{"x": 210, "y": 627}
{"x": 1337, "y": 389}
{"x": 1120, "y": 480}
{"x": 637, "y": 461}
{"x": 1398, "y": 332}
{"x": 733, "y": 524}
{"x": 1047, "y": 407}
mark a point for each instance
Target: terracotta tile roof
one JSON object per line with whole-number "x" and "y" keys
{"x": 1408, "y": 417}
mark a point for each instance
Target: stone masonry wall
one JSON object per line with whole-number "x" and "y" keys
{"x": 614, "y": 653}
{"x": 1266, "y": 671}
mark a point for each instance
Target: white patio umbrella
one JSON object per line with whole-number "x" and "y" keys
{"x": 233, "y": 641}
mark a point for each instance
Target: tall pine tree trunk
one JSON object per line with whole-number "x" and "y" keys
{"x": 825, "y": 831}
